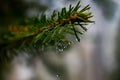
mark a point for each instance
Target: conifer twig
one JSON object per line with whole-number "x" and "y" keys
{"x": 40, "y": 31}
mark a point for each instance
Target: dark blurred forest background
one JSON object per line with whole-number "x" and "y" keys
{"x": 12, "y": 10}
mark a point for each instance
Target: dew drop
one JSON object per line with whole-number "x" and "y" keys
{"x": 69, "y": 43}
{"x": 78, "y": 40}
{"x": 57, "y": 76}
{"x": 64, "y": 47}
{"x": 60, "y": 50}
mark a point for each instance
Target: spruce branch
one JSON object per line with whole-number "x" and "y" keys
{"x": 47, "y": 30}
